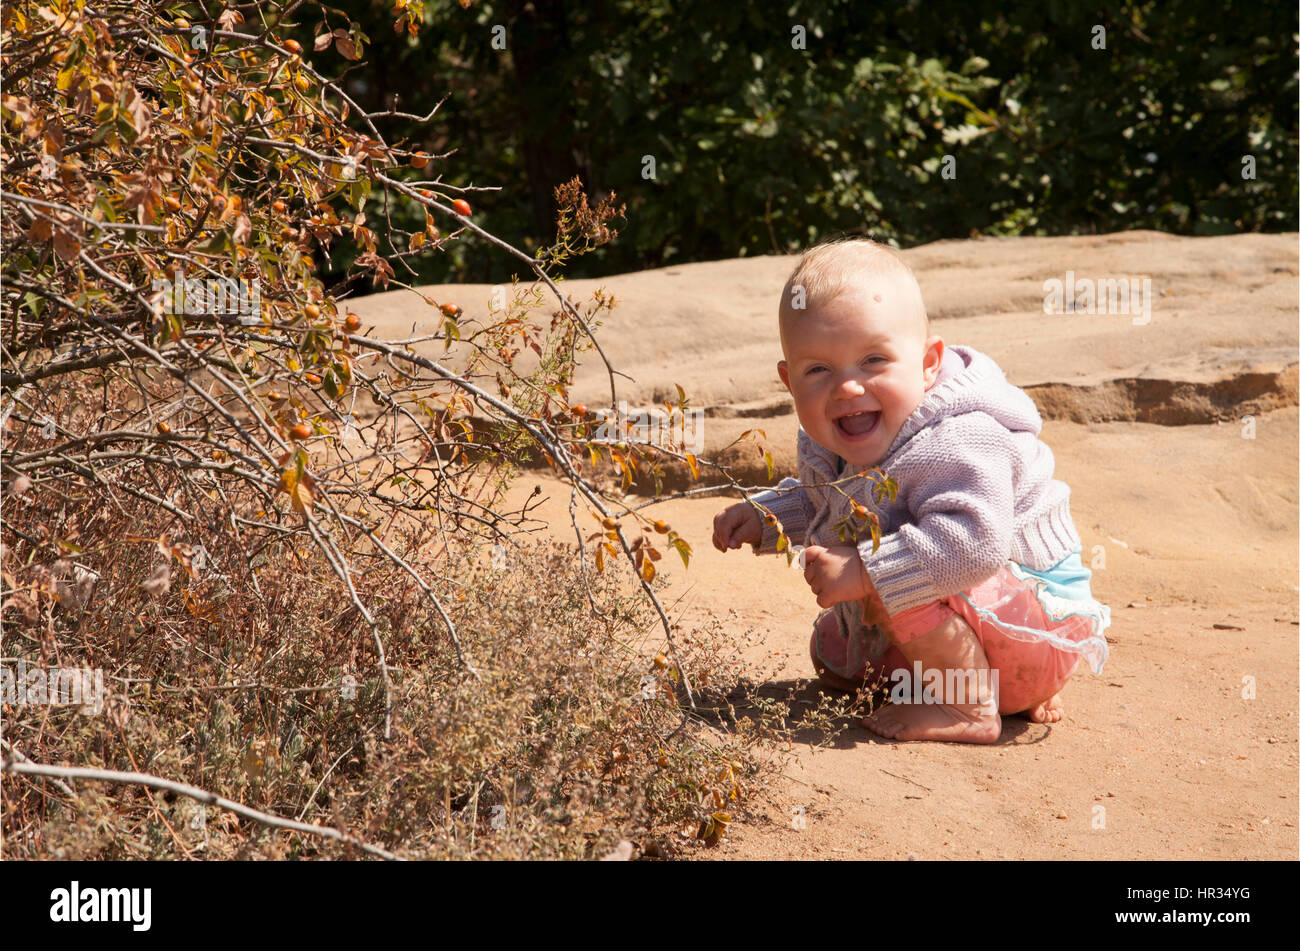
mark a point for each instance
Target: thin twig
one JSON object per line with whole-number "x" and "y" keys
{"x": 29, "y": 768}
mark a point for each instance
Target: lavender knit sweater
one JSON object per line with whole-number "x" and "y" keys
{"x": 975, "y": 489}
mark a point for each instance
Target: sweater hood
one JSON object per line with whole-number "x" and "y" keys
{"x": 968, "y": 382}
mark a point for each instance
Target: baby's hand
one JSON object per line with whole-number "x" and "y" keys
{"x": 835, "y": 574}
{"x": 736, "y": 525}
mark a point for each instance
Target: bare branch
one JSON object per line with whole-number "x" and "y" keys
{"x": 28, "y": 768}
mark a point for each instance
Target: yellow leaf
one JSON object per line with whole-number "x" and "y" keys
{"x": 648, "y": 570}
{"x": 301, "y": 498}
{"x": 254, "y": 764}
{"x": 695, "y": 469}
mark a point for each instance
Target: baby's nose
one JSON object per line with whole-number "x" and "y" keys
{"x": 850, "y": 386}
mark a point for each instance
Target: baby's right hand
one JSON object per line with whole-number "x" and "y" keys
{"x": 736, "y": 525}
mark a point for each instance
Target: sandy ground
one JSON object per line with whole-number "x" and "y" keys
{"x": 1179, "y": 439}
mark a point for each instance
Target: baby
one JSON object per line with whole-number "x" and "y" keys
{"x": 977, "y": 597}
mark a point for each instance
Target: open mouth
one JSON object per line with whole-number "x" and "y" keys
{"x": 857, "y": 425}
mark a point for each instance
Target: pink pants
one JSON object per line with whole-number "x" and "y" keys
{"x": 1029, "y": 671}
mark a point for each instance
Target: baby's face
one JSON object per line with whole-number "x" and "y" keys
{"x": 859, "y": 366}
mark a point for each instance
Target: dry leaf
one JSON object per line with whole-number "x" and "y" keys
{"x": 243, "y": 230}
{"x": 620, "y": 853}
{"x": 66, "y": 245}
{"x": 159, "y": 581}
{"x": 347, "y": 49}
{"x": 301, "y": 498}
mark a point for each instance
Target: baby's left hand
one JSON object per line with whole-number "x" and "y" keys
{"x": 835, "y": 574}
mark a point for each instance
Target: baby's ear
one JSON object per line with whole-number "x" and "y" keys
{"x": 932, "y": 360}
{"x": 783, "y": 371}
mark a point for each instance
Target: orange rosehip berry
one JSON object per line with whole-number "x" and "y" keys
{"x": 279, "y": 207}
{"x": 301, "y": 431}
{"x": 461, "y": 206}
{"x": 449, "y": 309}
{"x": 352, "y": 323}
{"x": 419, "y": 160}
{"x": 164, "y": 428}
{"x": 294, "y": 47}
{"x": 661, "y": 526}
{"x": 312, "y": 312}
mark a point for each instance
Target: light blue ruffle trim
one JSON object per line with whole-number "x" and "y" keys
{"x": 1065, "y": 592}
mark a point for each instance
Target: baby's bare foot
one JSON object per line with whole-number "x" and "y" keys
{"x": 1049, "y": 711}
{"x": 964, "y": 723}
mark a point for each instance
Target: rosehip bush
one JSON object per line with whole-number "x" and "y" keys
{"x": 227, "y": 493}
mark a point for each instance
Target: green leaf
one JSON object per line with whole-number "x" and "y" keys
{"x": 358, "y": 192}
{"x": 219, "y": 242}
{"x": 331, "y": 386}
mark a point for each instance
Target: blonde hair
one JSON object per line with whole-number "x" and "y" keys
{"x": 832, "y": 267}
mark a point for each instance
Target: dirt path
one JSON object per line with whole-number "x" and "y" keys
{"x": 1159, "y": 757}
{"x": 1177, "y": 432}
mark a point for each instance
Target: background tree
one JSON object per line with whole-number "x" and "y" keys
{"x": 772, "y": 125}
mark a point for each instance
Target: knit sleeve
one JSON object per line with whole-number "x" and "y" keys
{"x": 961, "y": 509}
{"x": 792, "y": 508}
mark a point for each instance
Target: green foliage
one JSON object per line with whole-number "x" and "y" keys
{"x": 762, "y": 148}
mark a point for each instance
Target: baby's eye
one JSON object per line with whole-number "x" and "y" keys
{"x": 814, "y": 369}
